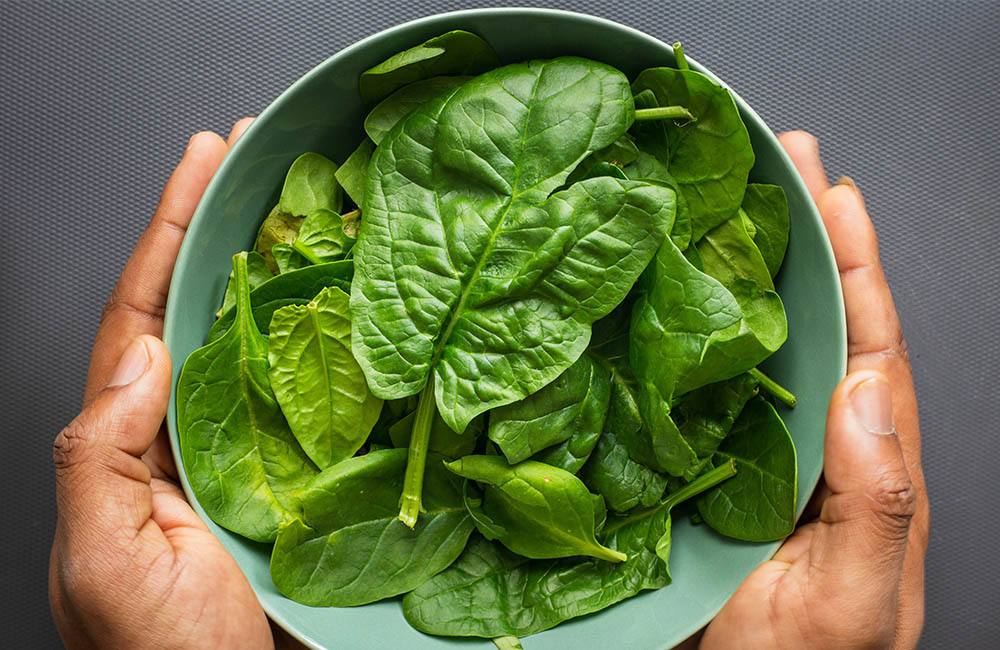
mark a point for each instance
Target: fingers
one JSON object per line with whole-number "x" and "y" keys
{"x": 102, "y": 486}
{"x": 237, "y": 131}
{"x": 857, "y": 550}
{"x": 137, "y": 302}
{"x": 803, "y": 149}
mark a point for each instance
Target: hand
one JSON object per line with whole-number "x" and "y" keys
{"x": 853, "y": 577}
{"x": 132, "y": 565}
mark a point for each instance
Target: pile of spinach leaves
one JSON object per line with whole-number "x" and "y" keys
{"x": 482, "y": 361}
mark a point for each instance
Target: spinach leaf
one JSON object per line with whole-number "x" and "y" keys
{"x": 622, "y": 482}
{"x": 350, "y": 550}
{"x": 759, "y": 504}
{"x": 728, "y": 252}
{"x": 310, "y": 185}
{"x": 571, "y": 454}
{"x": 767, "y": 209}
{"x": 316, "y": 380}
{"x": 706, "y": 415}
{"x": 485, "y": 296}
{"x": 473, "y": 500}
{"x": 443, "y": 441}
{"x": 295, "y": 287}
{"x": 491, "y": 592}
{"x": 353, "y": 173}
{"x": 452, "y": 53}
{"x": 404, "y": 101}
{"x": 546, "y": 512}
{"x": 258, "y": 274}
{"x": 709, "y": 157}
{"x": 576, "y": 402}
{"x": 322, "y": 237}
{"x": 242, "y": 461}
{"x": 287, "y": 258}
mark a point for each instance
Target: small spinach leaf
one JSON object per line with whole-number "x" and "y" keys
{"x": 452, "y": 53}
{"x": 322, "y": 237}
{"x": 352, "y": 174}
{"x": 258, "y": 274}
{"x": 728, "y": 252}
{"x": 622, "y": 482}
{"x": 759, "y": 504}
{"x": 767, "y": 208}
{"x": 242, "y": 461}
{"x": 287, "y": 258}
{"x": 347, "y": 550}
{"x": 316, "y": 380}
{"x": 546, "y": 512}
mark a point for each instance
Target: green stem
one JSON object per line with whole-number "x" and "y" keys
{"x": 305, "y": 252}
{"x": 778, "y": 391}
{"x": 508, "y": 643}
{"x": 663, "y": 113}
{"x": 679, "y": 58}
{"x": 704, "y": 482}
{"x": 410, "y": 505}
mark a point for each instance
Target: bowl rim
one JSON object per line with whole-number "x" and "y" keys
{"x": 173, "y": 306}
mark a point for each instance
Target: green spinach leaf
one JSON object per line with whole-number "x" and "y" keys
{"x": 296, "y": 287}
{"x": 767, "y": 209}
{"x": 242, "y": 461}
{"x": 323, "y": 238}
{"x": 316, "y": 380}
{"x": 622, "y": 482}
{"x": 452, "y": 53}
{"x": 728, "y": 252}
{"x": 759, "y": 504}
{"x": 576, "y": 402}
{"x": 404, "y": 101}
{"x": 287, "y": 258}
{"x": 353, "y": 173}
{"x": 443, "y": 441}
{"x": 709, "y": 157}
{"x": 258, "y": 274}
{"x": 349, "y": 549}
{"x": 546, "y": 512}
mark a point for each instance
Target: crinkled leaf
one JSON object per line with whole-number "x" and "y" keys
{"x": 287, "y": 258}
{"x": 350, "y": 550}
{"x": 316, "y": 380}
{"x": 546, "y": 512}
{"x": 322, "y": 237}
{"x": 576, "y": 402}
{"x": 295, "y": 287}
{"x": 404, "y": 101}
{"x": 242, "y": 461}
{"x": 709, "y": 157}
{"x": 278, "y": 228}
{"x": 622, "y": 482}
{"x": 466, "y": 267}
{"x": 758, "y": 505}
{"x": 452, "y": 53}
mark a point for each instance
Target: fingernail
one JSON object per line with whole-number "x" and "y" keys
{"x": 132, "y": 364}
{"x": 871, "y": 401}
{"x": 849, "y": 182}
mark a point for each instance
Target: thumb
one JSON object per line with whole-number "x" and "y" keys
{"x": 859, "y": 544}
{"x": 102, "y": 485}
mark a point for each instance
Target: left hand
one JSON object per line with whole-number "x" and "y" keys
{"x": 132, "y": 565}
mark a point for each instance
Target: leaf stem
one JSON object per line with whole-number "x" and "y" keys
{"x": 305, "y": 252}
{"x": 778, "y": 391}
{"x": 704, "y": 482}
{"x": 410, "y": 505}
{"x": 663, "y": 113}
{"x": 679, "y": 58}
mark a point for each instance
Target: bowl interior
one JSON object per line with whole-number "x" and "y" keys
{"x": 322, "y": 112}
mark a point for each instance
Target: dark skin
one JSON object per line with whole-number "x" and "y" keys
{"x": 133, "y": 566}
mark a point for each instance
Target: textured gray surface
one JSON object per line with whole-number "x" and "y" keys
{"x": 97, "y": 103}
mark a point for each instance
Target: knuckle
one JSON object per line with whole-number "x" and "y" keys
{"x": 895, "y": 503}
{"x": 70, "y": 446}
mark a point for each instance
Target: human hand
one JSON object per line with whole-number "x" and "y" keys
{"x": 853, "y": 576}
{"x": 132, "y": 565}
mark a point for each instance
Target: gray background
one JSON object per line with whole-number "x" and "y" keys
{"x": 97, "y": 102}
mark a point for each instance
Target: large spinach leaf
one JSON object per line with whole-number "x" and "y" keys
{"x": 481, "y": 287}
{"x": 759, "y": 504}
{"x": 316, "y": 380}
{"x": 575, "y": 403}
{"x": 452, "y": 53}
{"x": 710, "y": 157}
{"x": 295, "y": 287}
{"x": 348, "y": 548}
{"x": 545, "y": 512}
{"x": 242, "y": 461}
{"x": 492, "y": 592}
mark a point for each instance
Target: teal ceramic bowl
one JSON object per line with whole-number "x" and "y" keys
{"x": 323, "y": 112}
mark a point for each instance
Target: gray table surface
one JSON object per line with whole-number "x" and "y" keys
{"x": 97, "y": 101}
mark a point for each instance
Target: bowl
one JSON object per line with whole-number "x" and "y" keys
{"x": 323, "y": 112}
